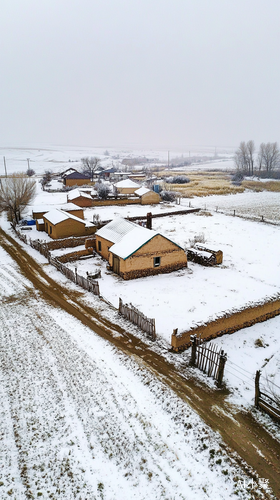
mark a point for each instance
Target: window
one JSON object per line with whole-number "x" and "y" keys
{"x": 156, "y": 261}
{"x": 50, "y": 229}
{"x": 99, "y": 246}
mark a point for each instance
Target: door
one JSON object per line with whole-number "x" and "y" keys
{"x": 116, "y": 264}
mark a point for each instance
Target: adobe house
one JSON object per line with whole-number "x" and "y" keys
{"x": 147, "y": 196}
{"x": 76, "y": 179}
{"x": 126, "y": 186}
{"x": 79, "y": 198}
{"x": 134, "y": 251}
{"x": 60, "y": 224}
{"x": 71, "y": 208}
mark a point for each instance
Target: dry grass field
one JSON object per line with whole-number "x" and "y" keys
{"x": 215, "y": 183}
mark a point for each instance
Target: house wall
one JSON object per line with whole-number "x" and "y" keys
{"x": 69, "y": 227}
{"x": 229, "y": 323}
{"x": 76, "y": 182}
{"x": 128, "y": 190}
{"x": 150, "y": 198}
{"x": 82, "y": 202}
{"x": 141, "y": 263}
{"x": 105, "y": 245}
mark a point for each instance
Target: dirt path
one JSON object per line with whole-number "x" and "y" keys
{"x": 239, "y": 430}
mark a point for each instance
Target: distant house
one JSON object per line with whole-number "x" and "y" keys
{"x": 126, "y": 186}
{"x": 147, "y": 196}
{"x": 134, "y": 251}
{"x": 60, "y": 224}
{"x": 76, "y": 179}
{"x": 79, "y": 198}
{"x": 71, "y": 208}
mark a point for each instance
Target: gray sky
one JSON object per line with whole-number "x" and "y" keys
{"x": 148, "y": 73}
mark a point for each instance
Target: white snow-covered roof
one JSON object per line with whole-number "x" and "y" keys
{"x": 40, "y": 221}
{"x": 126, "y": 236}
{"x": 47, "y": 208}
{"x": 76, "y": 193}
{"x": 126, "y": 183}
{"x": 56, "y": 216}
{"x": 142, "y": 190}
{"x": 116, "y": 229}
{"x": 132, "y": 241}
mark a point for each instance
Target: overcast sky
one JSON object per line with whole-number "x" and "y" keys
{"x": 149, "y": 73}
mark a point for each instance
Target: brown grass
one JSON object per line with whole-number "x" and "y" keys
{"x": 258, "y": 186}
{"x": 210, "y": 183}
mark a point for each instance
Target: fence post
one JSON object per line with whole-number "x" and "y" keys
{"x": 120, "y": 305}
{"x": 257, "y": 388}
{"x": 194, "y": 344}
{"x": 76, "y": 275}
{"x": 234, "y": 213}
{"x": 221, "y": 368}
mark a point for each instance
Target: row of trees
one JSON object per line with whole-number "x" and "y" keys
{"x": 249, "y": 161}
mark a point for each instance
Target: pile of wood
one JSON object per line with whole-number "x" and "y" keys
{"x": 204, "y": 256}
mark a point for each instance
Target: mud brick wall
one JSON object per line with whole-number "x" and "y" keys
{"x": 229, "y": 323}
{"x": 152, "y": 271}
{"x": 69, "y": 257}
{"x": 116, "y": 201}
{"x": 66, "y": 243}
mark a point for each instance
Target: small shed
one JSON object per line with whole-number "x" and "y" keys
{"x": 60, "y": 224}
{"x": 79, "y": 198}
{"x": 147, "y": 196}
{"x": 134, "y": 251}
{"x": 126, "y": 186}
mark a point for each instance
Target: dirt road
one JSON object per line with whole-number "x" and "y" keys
{"x": 241, "y": 433}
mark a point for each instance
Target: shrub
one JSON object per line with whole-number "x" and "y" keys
{"x": 237, "y": 178}
{"x": 178, "y": 179}
{"x": 198, "y": 238}
{"x": 168, "y": 195}
{"x": 102, "y": 190}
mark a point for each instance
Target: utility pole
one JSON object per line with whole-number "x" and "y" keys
{"x": 5, "y": 165}
{"x": 168, "y": 160}
{"x": 28, "y": 163}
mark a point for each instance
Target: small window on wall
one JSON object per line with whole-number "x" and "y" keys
{"x": 50, "y": 229}
{"x": 156, "y": 261}
{"x": 99, "y": 246}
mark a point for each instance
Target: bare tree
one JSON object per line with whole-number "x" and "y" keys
{"x": 16, "y": 192}
{"x": 102, "y": 190}
{"x": 30, "y": 172}
{"x": 90, "y": 165}
{"x": 244, "y": 157}
{"x": 269, "y": 156}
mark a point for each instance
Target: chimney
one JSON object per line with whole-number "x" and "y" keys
{"x": 149, "y": 220}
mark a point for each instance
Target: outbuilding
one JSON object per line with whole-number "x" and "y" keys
{"x": 147, "y": 196}
{"x": 76, "y": 179}
{"x": 79, "y": 198}
{"x": 60, "y": 224}
{"x": 126, "y": 186}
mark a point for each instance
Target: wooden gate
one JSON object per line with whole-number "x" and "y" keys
{"x": 266, "y": 402}
{"x": 208, "y": 358}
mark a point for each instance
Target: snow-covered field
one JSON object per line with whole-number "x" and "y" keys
{"x": 80, "y": 420}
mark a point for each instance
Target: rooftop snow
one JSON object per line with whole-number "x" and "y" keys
{"x": 126, "y": 183}
{"x": 142, "y": 190}
{"x": 76, "y": 193}
{"x": 56, "y": 216}
{"x": 47, "y": 208}
{"x": 116, "y": 230}
{"x": 132, "y": 241}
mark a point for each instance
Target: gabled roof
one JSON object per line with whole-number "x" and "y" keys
{"x": 47, "y": 208}
{"x": 76, "y": 175}
{"x": 142, "y": 190}
{"x": 126, "y": 183}
{"x": 76, "y": 193}
{"x": 56, "y": 216}
{"x": 126, "y": 236}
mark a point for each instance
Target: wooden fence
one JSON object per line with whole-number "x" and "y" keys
{"x": 132, "y": 314}
{"x": 266, "y": 402}
{"x": 208, "y": 358}
{"x": 88, "y": 283}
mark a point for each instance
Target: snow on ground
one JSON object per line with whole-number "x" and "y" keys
{"x": 80, "y": 420}
{"x": 191, "y": 296}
